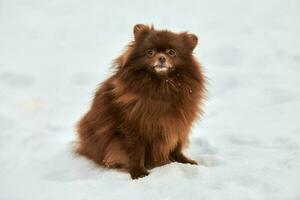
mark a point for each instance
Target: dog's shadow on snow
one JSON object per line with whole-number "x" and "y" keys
{"x": 67, "y": 166}
{"x": 204, "y": 152}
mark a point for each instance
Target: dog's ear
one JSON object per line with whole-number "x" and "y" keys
{"x": 190, "y": 40}
{"x": 141, "y": 30}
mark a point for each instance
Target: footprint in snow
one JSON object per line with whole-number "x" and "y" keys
{"x": 16, "y": 80}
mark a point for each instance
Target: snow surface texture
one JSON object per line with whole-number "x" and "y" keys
{"x": 54, "y": 53}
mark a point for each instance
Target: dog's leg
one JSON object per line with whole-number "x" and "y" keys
{"x": 137, "y": 159}
{"x": 177, "y": 156}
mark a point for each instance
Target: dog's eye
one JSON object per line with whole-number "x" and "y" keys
{"x": 171, "y": 52}
{"x": 150, "y": 52}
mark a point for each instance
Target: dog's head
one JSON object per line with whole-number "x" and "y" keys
{"x": 158, "y": 51}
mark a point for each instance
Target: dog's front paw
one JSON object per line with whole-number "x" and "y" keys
{"x": 138, "y": 172}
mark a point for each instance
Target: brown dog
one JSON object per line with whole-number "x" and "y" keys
{"x": 141, "y": 116}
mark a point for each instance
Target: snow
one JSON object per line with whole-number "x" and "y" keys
{"x": 54, "y": 53}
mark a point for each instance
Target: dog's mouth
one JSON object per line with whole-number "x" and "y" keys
{"x": 161, "y": 68}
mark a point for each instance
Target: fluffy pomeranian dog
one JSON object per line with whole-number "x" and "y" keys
{"x": 141, "y": 116}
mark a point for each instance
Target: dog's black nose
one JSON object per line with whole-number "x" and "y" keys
{"x": 162, "y": 59}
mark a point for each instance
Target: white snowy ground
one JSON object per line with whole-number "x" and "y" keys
{"x": 54, "y": 53}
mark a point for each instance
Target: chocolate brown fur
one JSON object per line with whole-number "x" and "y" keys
{"x": 139, "y": 118}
